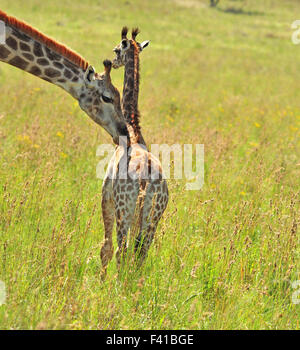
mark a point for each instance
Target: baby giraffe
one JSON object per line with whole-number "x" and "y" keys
{"x": 134, "y": 189}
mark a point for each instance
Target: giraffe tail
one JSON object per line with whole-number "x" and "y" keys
{"x": 139, "y": 209}
{"x": 144, "y": 218}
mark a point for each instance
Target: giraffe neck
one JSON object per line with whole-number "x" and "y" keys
{"x": 131, "y": 94}
{"x": 34, "y": 56}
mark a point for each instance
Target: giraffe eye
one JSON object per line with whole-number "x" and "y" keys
{"x": 107, "y": 99}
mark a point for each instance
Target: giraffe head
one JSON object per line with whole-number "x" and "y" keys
{"x": 126, "y": 46}
{"x": 32, "y": 51}
{"x": 101, "y": 101}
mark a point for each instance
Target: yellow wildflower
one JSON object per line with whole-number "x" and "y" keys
{"x": 254, "y": 144}
{"x": 169, "y": 118}
{"x": 24, "y": 138}
{"x": 60, "y": 134}
{"x": 63, "y": 155}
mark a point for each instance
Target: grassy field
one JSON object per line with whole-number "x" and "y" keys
{"x": 224, "y": 257}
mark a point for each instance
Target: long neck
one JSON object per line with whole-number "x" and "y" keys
{"x": 31, "y": 51}
{"x": 131, "y": 95}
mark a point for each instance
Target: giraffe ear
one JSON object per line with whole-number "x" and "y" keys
{"x": 125, "y": 44}
{"x": 144, "y": 44}
{"x": 89, "y": 74}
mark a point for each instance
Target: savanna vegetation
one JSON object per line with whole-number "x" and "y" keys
{"x": 224, "y": 257}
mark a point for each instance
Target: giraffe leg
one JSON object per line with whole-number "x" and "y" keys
{"x": 147, "y": 225}
{"x": 122, "y": 230}
{"x": 154, "y": 206}
{"x": 125, "y": 194}
{"x": 143, "y": 242}
{"x": 108, "y": 219}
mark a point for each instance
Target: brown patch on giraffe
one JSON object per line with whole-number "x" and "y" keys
{"x": 20, "y": 29}
{"x": 28, "y": 56}
{"x": 159, "y": 197}
{"x": 4, "y": 53}
{"x": 61, "y": 80}
{"x": 19, "y": 35}
{"x": 52, "y": 55}
{"x": 67, "y": 74}
{"x": 24, "y": 47}
{"x": 37, "y": 49}
{"x": 35, "y": 70}
{"x": 58, "y": 65}
{"x": 52, "y": 73}
{"x": 47, "y": 79}
{"x": 71, "y": 66}
{"x": 129, "y": 69}
{"x": 12, "y": 43}
{"x": 143, "y": 184}
{"x": 130, "y": 82}
{"x": 96, "y": 102}
{"x": 165, "y": 187}
{"x": 18, "y": 62}
{"x": 43, "y": 62}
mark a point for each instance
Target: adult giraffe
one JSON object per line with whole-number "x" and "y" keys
{"x": 134, "y": 189}
{"x": 30, "y": 50}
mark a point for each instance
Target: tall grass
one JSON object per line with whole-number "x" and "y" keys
{"x": 223, "y": 257}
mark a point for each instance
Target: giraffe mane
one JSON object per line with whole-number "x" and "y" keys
{"x": 42, "y": 38}
{"x": 135, "y": 116}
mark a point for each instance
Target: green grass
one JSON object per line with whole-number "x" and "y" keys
{"x": 224, "y": 257}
